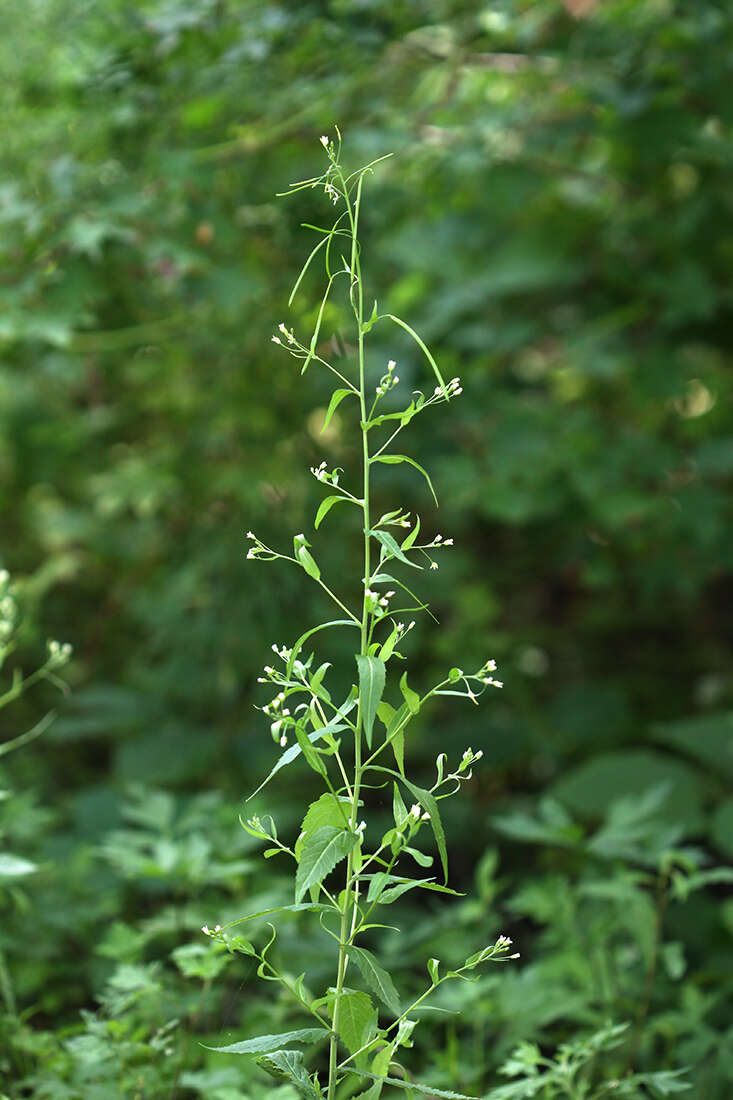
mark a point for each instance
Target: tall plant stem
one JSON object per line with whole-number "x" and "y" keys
{"x": 350, "y": 910}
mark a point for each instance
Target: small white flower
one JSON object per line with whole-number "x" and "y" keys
{"x": 283, "y": 741}
{"x": 415, "y": 810}
{"x": 217, "y": 928}
{"x": 205, "y": 929}
{"x": 324, "y": 141}
{"x": 276, "y": 340}
{"x": 433, "y": 565}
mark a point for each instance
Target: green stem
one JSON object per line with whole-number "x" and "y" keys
{"x": 6, "y": 988}
{"x": 349, "y": 913}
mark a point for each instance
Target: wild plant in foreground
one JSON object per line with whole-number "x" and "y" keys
{"x": 357, "y": 742}
{"x": 12, "y": 867}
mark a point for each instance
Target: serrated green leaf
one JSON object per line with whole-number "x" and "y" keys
{"x": 287, "y": 1065}
{"x": 263, "y": 1044}
{"x": 410, "y": 1086}
{"x": 372, "y": 676}
{"x": 376, "y": 978}
{"x": 356, "y": 1017}
{"x": 393, "y": 460}
{"x": 322, "y": 850}
{"x": 326, "y": 810}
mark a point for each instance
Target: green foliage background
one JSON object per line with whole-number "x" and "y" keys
{"x": 556, "y": 223}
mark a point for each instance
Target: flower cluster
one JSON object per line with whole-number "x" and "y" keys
{"x": 438, "y": 543}
{"x": 452, "y": 389}
{"x": 259, "y": 550}
{"x": 485, "y": 678}
{"x": 388, "y": 380}
{"x": 469, "y": 757}
{"x": 326, "y": 476}
{"x": 59, "y": 653}
{"x": 376, "y": 603}
{"x": 287, "y": 333}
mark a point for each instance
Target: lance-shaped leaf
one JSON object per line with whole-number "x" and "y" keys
{"x": 390, "y": 545}
{"x": 376, "y": 978}
{"x": 411, "y": 332}
{"x": 309, "y": 633}
{"x": 264, "y": 1044}
{"x": 336, "y": 398}
{"x": 302, "y": 907}
{"x": 326, "y": 505}
{"x": 295, "y": 750}
{"x": 393, "y": 460}
{"x": 322, "y": 850}
{"x": 411, "y": 697}
{"x": 372, "y": 675}
{"x": 306, "y": 559}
